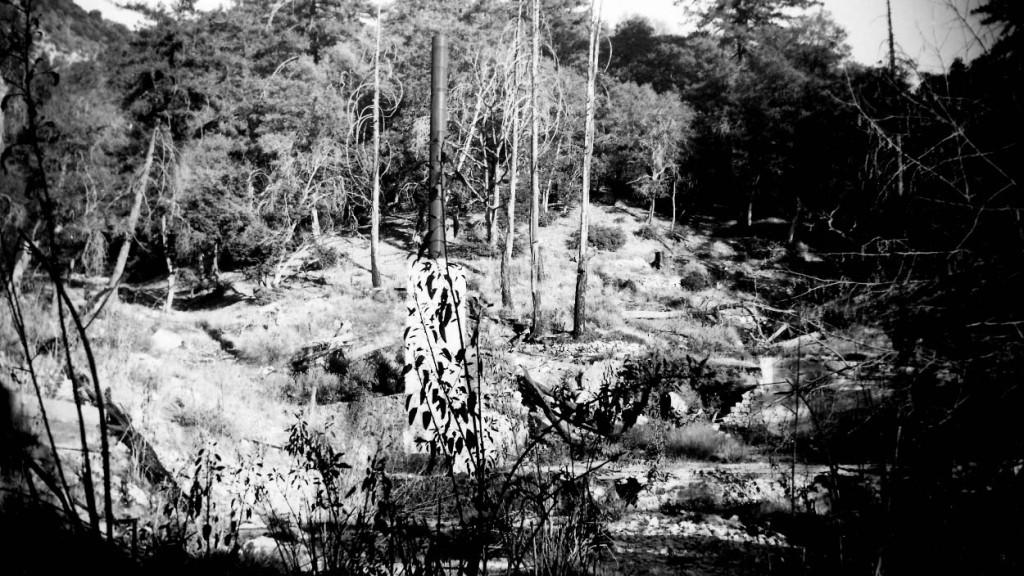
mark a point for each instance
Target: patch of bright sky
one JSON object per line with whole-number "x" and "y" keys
{"x": 929, "y": 32}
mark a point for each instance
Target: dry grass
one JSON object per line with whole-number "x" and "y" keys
{"x": 195, "y": 413}
{"x": 39, "y": 324}
{"x": 701, "y": 441}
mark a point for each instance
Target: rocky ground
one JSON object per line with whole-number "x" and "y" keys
{"x": 217, "y": 372}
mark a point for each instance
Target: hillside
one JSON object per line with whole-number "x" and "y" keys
{"x": 216, "y": 375}
{"x": 72, "y": 34}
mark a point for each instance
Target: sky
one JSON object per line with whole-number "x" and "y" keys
{"x": 929, "y": 32}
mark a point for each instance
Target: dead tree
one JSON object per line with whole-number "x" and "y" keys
{"x": 579, "y": 325}
{"x": 375, "y": 197}
{"x": 133, "y": 216}
{"x": 510, "y": 234}
{"x": 536, "y": 266}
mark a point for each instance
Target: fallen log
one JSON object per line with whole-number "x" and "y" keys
{"x": 533, "y": 393}
{"x": 119, "y": 424}
{"x": 312, "y": 353}
{"x": 801, "y": 341}
{"x": 653, "y": 314}
{"x": 577, "y": 415}
{"x": 320, "y": 352}
{"x": 369, "y": 349}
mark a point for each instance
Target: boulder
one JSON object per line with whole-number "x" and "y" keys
{"x": 719, "y": 249}
{"x": 674, "y": 407}
{"x": 261, "y": 546}
{"x": 164, "y": 341}
{"x": 595, "y": 375}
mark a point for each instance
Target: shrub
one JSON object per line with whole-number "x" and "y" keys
{"x": 326, "y": 256}
{"x": 266, "y": 347}
{"x": 600, "y": 237}
{"x": 329, "y": 388}
{"x": 694, "y": 276}
{"x": 604, "y": 312}
{"x": 195, "y": 414}
{"x": 120, "y": 330}
{"x": 649, "y": 232}
{"x": 377, "y": 372}
{"x": 647, "y": 440}
{"x": 546, "y": 218}
{"x": 701, "y": 441}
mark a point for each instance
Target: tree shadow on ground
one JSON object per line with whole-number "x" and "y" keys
{"x": 699, "y": 556}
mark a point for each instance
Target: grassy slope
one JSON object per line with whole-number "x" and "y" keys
{"x": 244, "y": 398}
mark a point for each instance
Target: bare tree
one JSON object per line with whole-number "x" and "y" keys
{"x": 510, "y": 234}
{"x": 536, "y": 259}
{"x": 375, "y": 198}
{"x": 579, "y": 321}
{"x": 133, "y": 216}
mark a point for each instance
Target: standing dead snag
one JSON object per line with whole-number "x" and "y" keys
{"x": 443, "y": 402}
{"x": 375, "y": 200}
{"x": 536, "y": 265}
{"x": 579, "y": 324}
{"x": 133, "y": 216}
{"x": 510, "y": 234}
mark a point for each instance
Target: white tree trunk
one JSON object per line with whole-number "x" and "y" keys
{"x": 171, "y": 274}
{"x": 133, "y": 216}
{"x": 536, "y": 271}
{"x": 375, "y": 210}
{"x": 510, "y": 234}
{"x": 579, "y": 326}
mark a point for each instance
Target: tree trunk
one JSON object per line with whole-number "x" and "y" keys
{"x": 438, "y": 117}
{"x": 133, "y": 216}
{"x": 494, "y": 200}
{"x": 546, "y": 196}
{"x": 3, "y": 93}
{"x": 536, "y": 268}
{"x": 375, "y": 200}
{"x": 171, "y": 274}
{"x": 674, "y": 181}
{"x": 492, "y": 228}
{"x": 892, "y": 72}
{"x": 579, "y": 320}
{"x": 510, "y": 234}
{"x": 20, "y": 265}
{"x": 650, "y": 211}
{"x": 22, "y": 261}
{"x": 795, "y": 222}
{"x": 215, "y": 265}
{"x": 315, "y": 217}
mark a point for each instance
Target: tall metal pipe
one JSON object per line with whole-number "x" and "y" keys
{"x": 438, "y": 122}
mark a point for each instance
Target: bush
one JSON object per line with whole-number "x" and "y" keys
{"x": 608, "y": 238}
{"x": 377, "y": 372}
{"x": 266, "y": 347}
{"x": 326, "y": 256}
{"x": 649, "y": 232}
{"x": 195, "y": 414}
{"x": 701, "y": 441}
{"x": 647, "y": 440}
{"x": 330, "y": 388}
{"x": 546, "y": 218}
{"x": 694, "y": 276}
